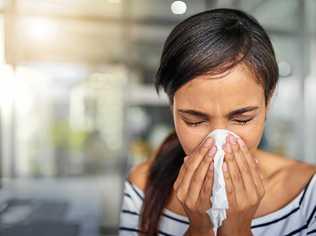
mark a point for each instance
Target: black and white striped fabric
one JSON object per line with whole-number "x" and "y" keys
{"x": 298, "y": 217}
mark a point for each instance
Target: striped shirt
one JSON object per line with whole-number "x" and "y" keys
{"x": 298, "y": 217}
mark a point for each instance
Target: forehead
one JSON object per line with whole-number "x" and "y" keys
{"x": 237, "y": 87}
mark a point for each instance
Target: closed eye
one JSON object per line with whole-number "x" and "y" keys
{"x": 243, "y": 122}
{"x": 195, "y": 124}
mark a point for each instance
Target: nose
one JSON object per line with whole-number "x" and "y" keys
{"x": 218, "y": 124}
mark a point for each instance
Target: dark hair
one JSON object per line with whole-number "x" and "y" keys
{"x": 210, "y": 42}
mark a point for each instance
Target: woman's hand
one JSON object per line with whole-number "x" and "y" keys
{"x": 244, "y": 187}
{"x": 193, "y": 187}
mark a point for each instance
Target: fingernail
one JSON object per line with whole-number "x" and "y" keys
{"x": 225, "y": 166}
{"x": 256, "y": 160}
{"x": 232, "y": 139}
{"x": 227, "y": 139}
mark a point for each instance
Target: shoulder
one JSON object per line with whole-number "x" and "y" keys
{"x": 287, "y": 174}
{"x": 299, "y": 171}
{"x": 304, "y": 177}
{"x": 276, "y": 165}
{"x": 296, "y": 178}
{"x": 138, "y": 174}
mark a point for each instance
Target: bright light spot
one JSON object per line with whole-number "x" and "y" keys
{"x": 41, "y": 29}
{"x": 14, "y": 89}
{"x": 6, "y": 87}
{"x": 178, "y": 7}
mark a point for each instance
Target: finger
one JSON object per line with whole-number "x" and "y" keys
{"x": 195, "y": 157}
{"x": 191, "y": 165}
{"x": 233, "y": 168}
{"x": 206, "y": 191}
{"x": 180, "y": 174}
{"x": 243, "y": 167}
{"x": 254, "y": 168}
{"x": 229, "y": 187}
{"x": 199, "y": 175}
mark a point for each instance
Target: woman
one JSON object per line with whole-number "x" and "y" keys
{"x": 219, "y": 71}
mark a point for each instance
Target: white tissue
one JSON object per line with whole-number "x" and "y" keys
{"x": 217, "y": 212}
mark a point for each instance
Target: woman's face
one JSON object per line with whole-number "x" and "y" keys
{"x": 204, "y": 104}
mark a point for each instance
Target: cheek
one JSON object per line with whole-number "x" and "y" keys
{"x": 189, "y": 138}
{"x": 252, "y": 134}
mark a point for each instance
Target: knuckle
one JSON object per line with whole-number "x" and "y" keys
{"x": 229, "y": 189}
{"x": 262, "y": 191}
{"x": 253, "y": 201}
{"x": 229, "y": 157}
{"x": 174, "y": 187}
{"x": 179, "y": 196}
{"x": 241, "y": 207}
{"x": 189, "y": 204}
{"x": 186, "y": 165}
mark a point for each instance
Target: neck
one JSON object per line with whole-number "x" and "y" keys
{"x": 264, "y": 163}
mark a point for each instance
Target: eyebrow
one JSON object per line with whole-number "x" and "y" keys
{"x": 230, "y": 114}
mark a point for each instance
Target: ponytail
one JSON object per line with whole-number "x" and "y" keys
{"x": 162, "y": 175}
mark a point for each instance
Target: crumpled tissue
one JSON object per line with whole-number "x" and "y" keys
{"x": 219, "y": 202}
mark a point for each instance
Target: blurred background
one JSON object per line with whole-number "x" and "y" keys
{"x": 78, "y": 108}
